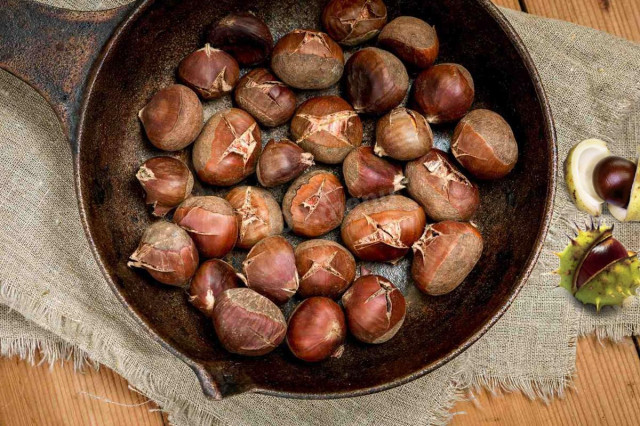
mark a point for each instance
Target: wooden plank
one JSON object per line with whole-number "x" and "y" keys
{"x": 513, "y": 4}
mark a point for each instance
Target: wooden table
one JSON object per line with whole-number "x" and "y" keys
{"x": 607, "y": 388}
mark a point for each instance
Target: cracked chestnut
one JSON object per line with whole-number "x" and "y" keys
{"x": 325, "y": 268}
{"x": 266, "y": 98}
{"x": 245, "y": 36}
{"x": 351, "y": 22}
{"x": 258, "y": 214}
{"x": 369, "y": 176}
{"x": 212, "y": 278}
{"x": 211, "y": 73}
{"x": 282, "y": 161}
{"x": 403, "y": 134}
{"x": 166, "y": 181}
{"x": 412, "y": 40}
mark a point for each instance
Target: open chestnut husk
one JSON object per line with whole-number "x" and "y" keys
{"x": 211, "y": 73}
{"x": 167, "y": 253}
{"x": 375, "y": 309}
{"x": 282, "y": 161}
{"x": 314, "y": 204}
{"x": 444, "y": 255}
{"x": 307, "y": 59}
{"x": 266, "y": 98}
{"x": 369, "y": 176}
{"x": 325, "y": 268}
{"x": 248, "y": 323}
{"x": 484, "y": 144}
{"x": 258, "y": 213}
{"x": 444, "y": 93}
{"x": 173, "y": 118}
{"x": 613, "y": 179}
{"x": 211, "y": 222}
{"x": 270, "y": 269}
{"x": 166, "y": 181}
{"x": 316, "y": 330}
{"x": 246, "y": 37}
{"x": 327, "y": 127}
{"x": 351, "y": 22}
{"x": 228, "y": 148}
{"x": 383, "y": 229}
{"x": 412, "y": 40}
{"x": 212, "y": 278}
{"x": 403, "y": 134}
{"x": 439, "y": 187}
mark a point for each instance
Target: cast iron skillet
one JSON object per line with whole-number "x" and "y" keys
{"x": 98, "y": 69}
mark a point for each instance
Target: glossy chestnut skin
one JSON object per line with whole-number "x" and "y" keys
{"x": 484, "y": 144}
{"x": 246, "y": 37}
{"x": 173, "y": 118}
{"x": 613, "y": 180}
{"x": 167, "y": 253}
{"x": 375, "y": 309}
{"x": 211, "y": 222}
{"x": 228, "y": 148}
{"x": 265, "y": 97}
{"x": 376, "y": 81}
{"x": 383, "y": 230}
{"x": 403, "y": 134}
{"x": 314, "y": 204}
{"x": 327, "y": 127}
{"x": 444, "y": 93}
{"x": 325, "y": 268}
{"x": 316, "y": 330}
{"x": 443, "y": 191}
{"x": 307, "y": 59}
{"x": 166, "y": 181}
{"x": 369, "y": 176}
{"x": 258, "y": 214}
{"x": 212, "y": 278}
{"x": 247, "y": 323}
{"x": 412, "y": 40}
{"x": 444, "y": 256}
{"x": 282, "y": 161}
{"x": 351, "y": 22}
{"x": 603, "y": 254}
{"x": 210, "y": 72}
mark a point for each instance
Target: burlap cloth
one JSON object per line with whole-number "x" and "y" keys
{"x": 55, "y": 299}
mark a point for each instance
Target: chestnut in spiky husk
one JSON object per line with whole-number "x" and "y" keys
{"x": 412, "y": 40}
{"x": 266, "y": 98}
{"x": 258, "y": 213}
{"x": 351, "y": 22}
{"x": 245, "y": 36}
{"x": 166, "y": 182}
{"x": 212, "y": 278}
{"x": 282, "y": 161}
{"x": 369, "y": 176}
{"x": 211, "y": 73}
{"x": 403, "y": 134}
{"x": 325, "y": 268}
{"x": 444, "y": 92}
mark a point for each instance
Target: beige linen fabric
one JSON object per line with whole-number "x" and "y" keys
{"x": 54, "y": 298}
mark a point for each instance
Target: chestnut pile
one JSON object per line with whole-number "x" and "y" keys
{"x": 402, "y": 179}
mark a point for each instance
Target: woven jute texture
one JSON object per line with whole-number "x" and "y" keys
{"x": 54, "y": 298}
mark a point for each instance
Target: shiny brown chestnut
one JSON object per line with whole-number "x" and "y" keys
{"x": 166, "y": 181}
{"x": 266, "y": 98}
{"x": 173, "y": 118}
{"x": 444, "y": 256}
{"x": 403, "y": 134}
{"x": 601, "y": 255}
{"x": 211, "y": 73}
{"x": 316, "y": 330}
{"x": 258, "y": 214}
{"x": 412, "y": 40}
{"x": 369, "y": 176}
{"x": 212, "y": 278}
{"x": 327, "y": 127}
{"x": 228, "y": 148}
{"x": 351, "y": 22}
{"x": 443, "y": 191}
{"x": 211, "y": 222}
{"x": 282, "y": 161}
{"x": 167, "y": 253}
{"x": 245, "y": 36}
{"x": 325, "y": 268}
{"x": 613, "y": 180}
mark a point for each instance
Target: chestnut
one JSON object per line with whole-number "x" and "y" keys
{"x": 270, "y": 269}
{"x": 602, "y": 253}
{"x": 483, "y": 143}
{"x": 173, "y": 118}
{"x": 376, "y": 81}
{"x": 247, "y": 323}
{"x": 266, "y": 98}
{"x": 351, "y": 22}
{"x": 444, "y": 93}
{"x": 375, "y": 309}
{"x": 228, "y": 148}
{"x": 166, "y": 182}
{"x": 314, "y": 204}
{"x": 282, "y": 161}
{"x": 613, "y": 180}
{"x": 258, "y": 214}
{"x": 212, "y": 278}
{"x": 443, "y": 191}
{"x": 211, "y": 73}
{"x": 325, "y": 268}
{"x": 444, "y": 255}
{"x": 403, "y": 134}
{"x": 211, "y": 222}
{"x": 307, "y": 59}
{"x": 167, "y": 253}
{"x": 412, "y": 40}
{"x": 246, "y": 37}
{"x": 327, "y": 127}
{"x": 383, "y": 229}
{"x": 369, "y": 176}
{"x": 316, "y": 330}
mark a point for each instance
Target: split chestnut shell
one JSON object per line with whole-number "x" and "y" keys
{"x": 325, "y": 267}
{"x": 166, "y": 181}
{"x": 258, "y": 213}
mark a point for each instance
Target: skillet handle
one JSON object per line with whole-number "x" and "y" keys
{"x": 53, "y": 50}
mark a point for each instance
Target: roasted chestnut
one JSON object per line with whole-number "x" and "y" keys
{"x": 314, "y": 204}
{"x": 228, "y": 148}
{"x": 166, "y": 182}
{"x": 484, "y": 144}
{"x": 247, "y": 323}
{"x": 245, "y": 36}
{"x": 352, "y": 22}
{"x": 444, "y": 92}
{"x": 412, "y": 40}
{"x": 316, "y": 330}
{"x": 258, "y": 213}
{"x": 212, "y": 73}
{"x": 327, "y": 127}
{"x": 403, "y": 134}
{"x": 173, "y": 118}
{"x": 444, "y": 256}
{"x": 383, "y": 229}
{"x": 211, "y": 222}
{"x": 369, "y": 176}
{"x": 167, "y": 253}
{"x": 307, "y": 59}
{"x": 613, "y": 180}
{"x": 282, "y": 161}
{"x": 212, "y": 278}
{"x": 325, "y": 268}
{"x": 266, "y": 98}
{"x": 443, "y": 191}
